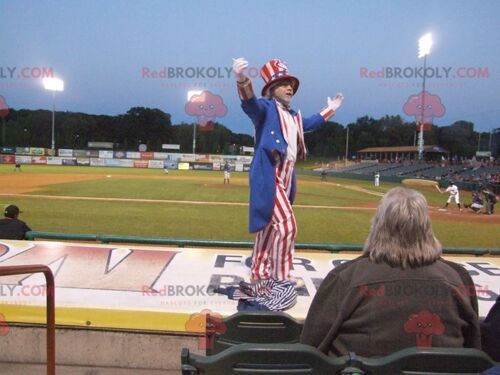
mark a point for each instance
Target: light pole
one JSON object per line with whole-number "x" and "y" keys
{"x": 189, "y": 96}
{"x": 346, "y": 145}
{"x": 53, "y": 84}
{"x": 424, "y": 48}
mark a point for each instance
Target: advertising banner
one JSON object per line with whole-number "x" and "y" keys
{"x": 203, "y": 158}
{"x": 93, "y": 153}
{"x": 22, "y": 150}
{"x": 140, "y": 163}
{"x": 169, "y": 164}
{"x": 147, "y": 155}
{"x": 160, "y": 155}
{"x": 39, "y": 160}
{"x": 66, "y": 161}
{"x": 83, "y": 161}
{"x": 174, "y": 156}
{"x": 95, "y": 162}
{"x": 203, "y": 166}
{"x": 155, "y": 164}
{"x": 80, "y": 153}
{"x": 133, "y": 155}
{"x": 105, "y": 154}
{"x": 244, "y": 159}
{"x": 100, "y": 144}
{"x": 238, "y": 167}
{"x": 171, "y": 282}
{"x": 8, "y": 159}
{"x": 183, "y": 166}
{"x": 119, "y": 163}
{"x": 37, "y": 151}
{"x": 23, "y": 159}
{"x": 8, "y": 150}
{"x": 54, "y": 160}
{"x": 170, "y": 147}
{"x": 120, "y": 154}
{"x": 188, "y": 157}
{"x": 63, "y": 152}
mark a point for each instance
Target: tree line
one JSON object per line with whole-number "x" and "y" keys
{"x": 153, "y": 127}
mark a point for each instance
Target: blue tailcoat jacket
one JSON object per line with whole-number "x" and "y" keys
{"x": 269, "y": 144}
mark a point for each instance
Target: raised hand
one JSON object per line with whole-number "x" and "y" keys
{"x": 239, "y": 65}
{"x": 334, "y": 103}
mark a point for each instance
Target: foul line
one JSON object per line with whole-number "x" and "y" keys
{"x": 141, "y": 200}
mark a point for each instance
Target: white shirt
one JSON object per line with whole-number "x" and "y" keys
{"x": 452, "y": 189}
{"x": 290, "y": 131}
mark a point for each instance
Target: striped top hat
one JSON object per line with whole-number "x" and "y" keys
{"x": 274, "y": 71}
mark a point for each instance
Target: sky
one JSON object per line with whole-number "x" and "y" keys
{"x": 118, "y": 54}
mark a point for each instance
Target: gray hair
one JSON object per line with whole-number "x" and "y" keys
{"x": 401, "y": 231}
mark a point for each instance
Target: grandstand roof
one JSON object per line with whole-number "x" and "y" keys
{"x": 430, "y": 148}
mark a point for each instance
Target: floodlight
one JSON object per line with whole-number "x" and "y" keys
{"x": 424, "y": 45}
{"x": 53, "y": 84}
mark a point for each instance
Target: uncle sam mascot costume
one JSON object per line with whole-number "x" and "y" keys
{"x": 279, "y": 141}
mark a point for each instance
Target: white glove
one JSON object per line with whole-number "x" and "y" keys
{"x": 334, "y": 103}
{"x": 239, "y": 65}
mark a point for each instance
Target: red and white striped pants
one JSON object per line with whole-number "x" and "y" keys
{"x": 275, "y": 244}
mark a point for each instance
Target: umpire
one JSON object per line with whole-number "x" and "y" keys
{"x": 11, "y": 228}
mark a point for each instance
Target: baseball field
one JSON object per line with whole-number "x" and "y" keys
{"x": 197, "y": 205}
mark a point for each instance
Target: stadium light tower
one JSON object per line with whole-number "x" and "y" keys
{"x": 53, "y": 84}
{"x": 190, "y": 94}
{"x": 424, "y": 48}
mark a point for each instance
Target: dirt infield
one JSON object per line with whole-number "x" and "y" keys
{"x": 19, "y": 183}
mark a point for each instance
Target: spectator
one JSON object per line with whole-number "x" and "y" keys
{"x": 491, "y": 199}
{"x": 400, "y": 293}
{"x": 490, "y": 332}
{"x": 11, "y": 228}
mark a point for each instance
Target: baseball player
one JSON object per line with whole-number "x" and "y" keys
{"x": 227, "y": 173}
{"x": 279, "y": 141}
{"x": 454, "y": 195}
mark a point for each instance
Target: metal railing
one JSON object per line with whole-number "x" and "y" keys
{"x": 51, "y": 333}
{"x": 179, "y": 242}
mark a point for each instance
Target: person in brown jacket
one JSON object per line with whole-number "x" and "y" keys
{"x": 400, "y": 293}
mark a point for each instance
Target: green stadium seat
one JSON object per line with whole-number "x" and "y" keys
{"x": 298, "y": 359}
{"x": 253, "y": 359}
{"x": 251, "y": 327}
{"x": 429, "y": 361}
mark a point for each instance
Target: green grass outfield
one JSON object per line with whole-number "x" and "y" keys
{"x": 146, "y": 202}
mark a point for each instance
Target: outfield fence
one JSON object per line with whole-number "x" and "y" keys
{"x": 332, "y": 248}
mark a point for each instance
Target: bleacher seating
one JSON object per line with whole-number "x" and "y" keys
{"x": 251, "y": 327}
{"x": 303, "y": 359}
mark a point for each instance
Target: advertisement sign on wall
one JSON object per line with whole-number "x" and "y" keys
{"x": 155, "y": 164}
{"x": 39, "y": 160}
{"x": 66, "y": 161}
{"x": 140, "y": 163}
{"x": 54, "y": 160}
{"x": 169, "y": 164}
{"x": 133, "y": 155}
{"x": 64, "y": 152}
{"x": 105, "y": 154}
{"x": 147, "y": 155}
{"x": 8, "y": 159}
{"x": 94, "y": 162}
